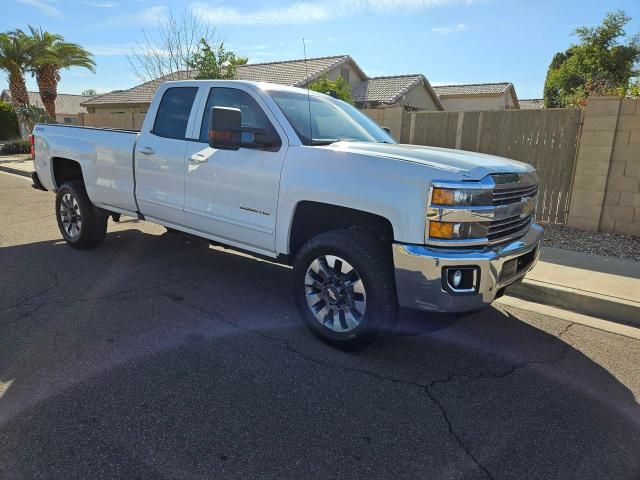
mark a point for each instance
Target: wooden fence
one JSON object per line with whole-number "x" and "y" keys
{"x": 546, "y": 139}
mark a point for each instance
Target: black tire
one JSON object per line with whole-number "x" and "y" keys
{"x": 371, "y": 259}
{"x": 93, "y": 225}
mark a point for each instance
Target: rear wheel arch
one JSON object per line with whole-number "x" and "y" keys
{"x": 65, "y": 170}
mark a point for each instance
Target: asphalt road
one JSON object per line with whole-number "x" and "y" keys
{"x": 156, "y": 356}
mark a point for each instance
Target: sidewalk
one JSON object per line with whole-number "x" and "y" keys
{"x": 604, "y": 287}
{"x": 17, "y": 164}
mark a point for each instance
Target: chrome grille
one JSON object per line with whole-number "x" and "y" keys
{"x": 505, "y": 196}
{"x": 500, "y": 230}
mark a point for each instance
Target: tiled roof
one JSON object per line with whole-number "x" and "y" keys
{"x": 385, "y": 89}
{"x": 391, "y": 89}
{"x": 138, "y": 95}
{"x": 291, "y": 72}
{"x": 532, "y": 104}
{"x": 295, "y": 73}
{"x": 65, "y": 103}
{"x": 472, "y": 89}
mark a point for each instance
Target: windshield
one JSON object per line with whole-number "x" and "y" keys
{"x": 321, "y": 119}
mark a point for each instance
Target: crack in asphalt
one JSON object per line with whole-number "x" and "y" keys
{"x": 105, "y": 296}
{"x": 426, "y": 387}
{"x": 54, "y": 284}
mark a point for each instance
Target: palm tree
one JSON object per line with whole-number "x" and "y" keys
{"x": 16, "y": 49}
{"x": 50, "y": 55}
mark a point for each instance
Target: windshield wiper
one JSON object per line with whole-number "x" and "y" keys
{"x": 322, "y": 142}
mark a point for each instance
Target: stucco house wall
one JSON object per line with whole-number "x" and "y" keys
{"x": 477, "y": 102}
{"x": 419, "y": 97}
{"x": 346, "y": 70}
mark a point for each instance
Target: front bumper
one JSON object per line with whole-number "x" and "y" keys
{"x": 419, "y": 271}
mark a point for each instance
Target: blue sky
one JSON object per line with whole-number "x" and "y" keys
{"x": 450, "y": 41}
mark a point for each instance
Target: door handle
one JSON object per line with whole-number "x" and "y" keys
{"x": 147, "y": 151}
{"x": 199, "y": 158}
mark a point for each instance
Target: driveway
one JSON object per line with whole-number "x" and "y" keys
{"x": 158, "y": 356}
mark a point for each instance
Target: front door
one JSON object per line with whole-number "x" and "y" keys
{"x": 233, "y": 195}
{"x": 160, "y": 158}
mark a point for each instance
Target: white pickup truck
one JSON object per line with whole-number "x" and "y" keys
{"x": 300, "y": 177}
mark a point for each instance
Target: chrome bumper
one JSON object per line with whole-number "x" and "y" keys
{"x": 419, "y": 270}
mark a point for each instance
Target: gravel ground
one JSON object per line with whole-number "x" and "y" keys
{"x": 607, "y": 244}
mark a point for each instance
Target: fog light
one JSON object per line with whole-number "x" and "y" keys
{"x": 463, "y": 280}
{"x": 456, "y": 279}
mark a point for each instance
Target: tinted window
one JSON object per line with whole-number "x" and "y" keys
{"x": 253, "y": 117}
{"x": 173, "y": 112}
{"x": 321, "y": 119}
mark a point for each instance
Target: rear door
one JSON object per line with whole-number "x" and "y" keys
{"x": 160, "y": 156}
{"x": 233, "y": 195}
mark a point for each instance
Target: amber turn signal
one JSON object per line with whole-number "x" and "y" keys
{"x": 441, "y": 230}
{"x": 443, "y": 196}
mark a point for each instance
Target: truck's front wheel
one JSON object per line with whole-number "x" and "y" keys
{"x": 344, "y": 288}
{"x": 80, "y": 225}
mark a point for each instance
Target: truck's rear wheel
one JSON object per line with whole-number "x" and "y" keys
{"x": 344, "y": 288}
{"x": 79, "y": 223}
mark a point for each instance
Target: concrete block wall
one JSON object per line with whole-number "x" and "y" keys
{"x": 606, "y": 188}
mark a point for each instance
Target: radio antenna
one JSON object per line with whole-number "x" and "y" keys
{"x": 306, "y": 68}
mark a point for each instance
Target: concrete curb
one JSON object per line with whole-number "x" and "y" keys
{"x": 580, "y": 301}
{"x": 15, "y": 171}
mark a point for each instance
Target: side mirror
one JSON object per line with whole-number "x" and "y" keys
{"x": 225, "y": 128}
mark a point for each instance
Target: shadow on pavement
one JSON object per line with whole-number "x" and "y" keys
{"x": 155, "y": 356}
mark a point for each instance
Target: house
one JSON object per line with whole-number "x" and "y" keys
{"x": 390, "y": 94}
{"x": 532, "y": 104}
{"x": 68, "y": 106}
{"x": 478, "y": 96}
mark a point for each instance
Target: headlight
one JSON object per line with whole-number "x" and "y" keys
{"x": 457, "y": 231}
{"x": 458, "y": 197}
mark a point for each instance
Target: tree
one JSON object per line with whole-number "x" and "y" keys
{"x": 50, "y": 55}
{"x": 32, "y": 115}
{"x": 8, "y": 121}
{"x": 604, "y": 62}
{"x": 170, "y": 50}
{"x": 89, "y": 92}
{"x": 340, "y": 86}
{"x": 16, "y": 49}
{"x": 214, "y": 62}
{"x": 15, "y": 55}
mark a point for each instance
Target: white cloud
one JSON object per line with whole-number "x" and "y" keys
{"x": 111, "y": 49}
{"x": 148, "y": 16}
{"x": 308, "y": 12}
{"x": 461, "y": 27}
{"x": 45, "y": 7}
{"x": 101, "y": 4}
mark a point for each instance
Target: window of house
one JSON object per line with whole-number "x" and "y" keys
{"x": 173, "y": 112}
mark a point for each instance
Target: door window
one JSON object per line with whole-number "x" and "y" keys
{"x": 254, "y": 120}
{"x": 173, "y": 113}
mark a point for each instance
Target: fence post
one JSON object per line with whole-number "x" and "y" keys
{"x": 479, "y": 133}
{"x": 593, "y": 164}
{"x": 412, "y": 126}
{"x": 459, "y": 130}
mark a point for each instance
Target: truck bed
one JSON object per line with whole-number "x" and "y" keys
{"x": 105, "y": 154}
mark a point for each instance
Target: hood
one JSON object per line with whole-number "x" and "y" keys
{"x": 471, "y": 165}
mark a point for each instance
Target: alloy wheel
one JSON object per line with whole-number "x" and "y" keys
{"x": 335, "y": 293}
{"x": 70, "y": 215}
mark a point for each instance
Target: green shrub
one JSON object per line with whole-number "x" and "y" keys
{"x": 8, "y": 121}
{"x": 16, "y": 146}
